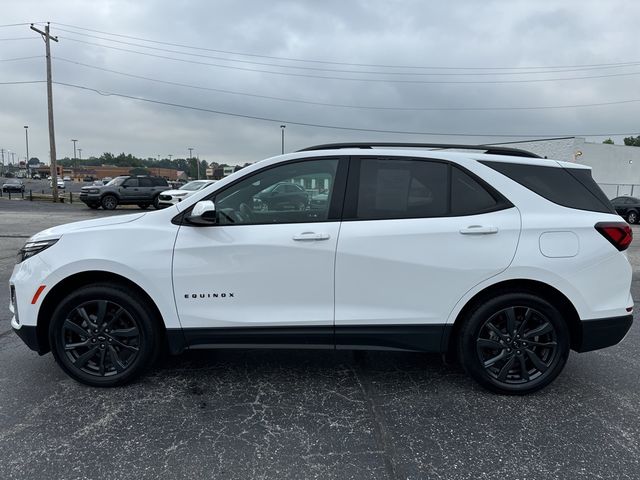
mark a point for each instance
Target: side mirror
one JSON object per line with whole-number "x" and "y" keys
{"x": 203, "y": 213}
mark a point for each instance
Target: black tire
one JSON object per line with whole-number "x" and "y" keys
{"x": 93, "y": 206}
{"x": 83, "y": 337}
{"x": 143, "y": 206}
{"x": 156, "y": 203}
{"x": 632, "y": 217}
{"x": 510, "y": 365}
{"x": 109, "y": 202}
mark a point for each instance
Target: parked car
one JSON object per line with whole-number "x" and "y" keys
{"x": 282, "y": 196}
{"x": 171, "y": 197}
{"x": 628, "y": 208}
{"x": 66, "y": 178}
{"x": 59, "y": 182}
{"x": 499, "y": 258}
{"x": 36, "y": 177}
{"x": 88, "y": 178}
{"x": 13, "y": 185}
{"x": 138, "y": 190}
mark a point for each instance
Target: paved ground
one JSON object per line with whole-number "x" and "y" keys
{"x": 308, "y": 414}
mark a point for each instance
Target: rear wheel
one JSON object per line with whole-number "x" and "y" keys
{"x": 514, "y": 344}
{"x": 101, "y": 336}
{"x": 109, "y": 202}
{"x": 632, "y": 217}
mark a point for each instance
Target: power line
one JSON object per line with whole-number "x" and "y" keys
{"x": 228, "y": 52}
{"x": 20, "y": 58}
{"x": 16, "y": 38}
{"x": 369, "y": 80}
{"x": 14, "y": 24}
{"x": 360, "y": 72}
{"x": 338, "y": 105}
{"x": 23, "y": 82}
{"x": 333, "y": 127}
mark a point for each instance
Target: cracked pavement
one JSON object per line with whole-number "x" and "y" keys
{"x": 306, "y": 414}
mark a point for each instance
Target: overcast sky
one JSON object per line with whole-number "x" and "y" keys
{"x": 371, "y": 49}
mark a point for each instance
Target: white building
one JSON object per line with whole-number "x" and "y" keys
{"x": 616, "y": 168}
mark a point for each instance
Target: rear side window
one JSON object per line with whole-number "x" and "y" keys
{"x": 159, "y": 182}
{"x": 145, "y": 182}
{"x": 393, "y": 188}
{"x": 569, "y": 187}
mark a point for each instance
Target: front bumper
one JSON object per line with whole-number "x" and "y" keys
{"x": 603, "y": 332}
{"x": 29, "y": 335}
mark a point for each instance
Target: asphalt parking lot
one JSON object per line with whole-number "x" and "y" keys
{"x": 307, "y": 414}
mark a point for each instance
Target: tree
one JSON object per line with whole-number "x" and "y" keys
{"x": 34, "y": 161}
{"x": 632, "y": 141}
{"x": 139, "y": 171}
{"x": 608, "y": 141}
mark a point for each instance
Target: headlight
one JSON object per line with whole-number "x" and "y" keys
{"x": 94, "y": 190}
{"x": 33, "y": 248}
{"x": 182, "y": 194}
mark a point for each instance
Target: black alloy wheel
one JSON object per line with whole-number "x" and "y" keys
{"x": 156, "y": 202}
{"x": 632, "y": 217}
{"x": 109, "y": 202}
{"x": 515, "y": 344}
{"x": 101, "y": 336}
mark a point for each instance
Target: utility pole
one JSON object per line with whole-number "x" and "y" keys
{"x": 52, "y": 140}
{"x": 2, "y": 155}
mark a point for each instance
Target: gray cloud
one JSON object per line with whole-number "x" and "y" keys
{"x": 453, "y": 34}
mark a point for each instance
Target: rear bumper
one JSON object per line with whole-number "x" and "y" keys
{"x": 603, "y": 332}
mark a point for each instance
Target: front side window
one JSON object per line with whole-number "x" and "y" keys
{"x": 277, "y": 195}
{"x": 131, "y": 182}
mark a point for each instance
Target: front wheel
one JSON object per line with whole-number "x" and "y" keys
{"x": 109, "y": 202}
{"x": 632, "y": 217}
{"x": 156, "y": 202}
{"x": 514, "y": 344}
{"x": 102, "y": 336}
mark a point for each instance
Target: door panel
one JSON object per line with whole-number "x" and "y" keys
{"x": 259, "y": 274}
{"x": 414, "y": 271}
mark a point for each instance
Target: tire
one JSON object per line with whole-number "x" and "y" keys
{"x": 632, "y": 217}
{"x": 109, "y": 202}
{"x": 156, "y": 203}
{"x": 514, "y": 366}
{"x": 83, "y": 337}
{"x": 143, "y": 206}
{"x": 93, "y": 206}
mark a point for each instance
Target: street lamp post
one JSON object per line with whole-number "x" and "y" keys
{"x": 26, "y": 137}
{"x": 191, "y": 158}
{"x": 282, "y": 127}
{"x": 75, "y": 157}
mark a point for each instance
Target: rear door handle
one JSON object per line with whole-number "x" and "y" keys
{"x": 311, "y": 237}
{"x": 478, "y": 230}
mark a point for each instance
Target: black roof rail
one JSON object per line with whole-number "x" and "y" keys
{"x": 489, "y": 149}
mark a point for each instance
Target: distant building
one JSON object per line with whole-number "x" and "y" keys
{"x": 616, "y": 168}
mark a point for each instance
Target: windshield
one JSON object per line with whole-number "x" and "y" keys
{"x": 195, "y": 185}
{"x": 116, "y": 182}
{"x": 13, "y": 180}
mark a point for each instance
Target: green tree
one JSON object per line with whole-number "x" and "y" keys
{"x": 139, "y": 171}
{"x": 608, "y": 141}
{"x": 632, "y": 141}
{"x": 34, "y": 161}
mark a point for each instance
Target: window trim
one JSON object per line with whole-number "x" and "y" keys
{"x": 353, "y": 186}
{"x": 335, "y": 208}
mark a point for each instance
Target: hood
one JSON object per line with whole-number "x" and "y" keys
{"x": 57, "y": 232}
{"x": 173, "y": 192}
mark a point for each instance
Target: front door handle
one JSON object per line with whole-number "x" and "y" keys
{"x": 478, "y": 230}
{"x": 311, "y": 237}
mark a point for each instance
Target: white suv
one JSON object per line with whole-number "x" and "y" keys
{"x": 504, "y": 259}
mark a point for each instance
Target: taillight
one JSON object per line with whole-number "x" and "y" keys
{"x": 618, "y": 233}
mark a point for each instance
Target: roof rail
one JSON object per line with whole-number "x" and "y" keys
{"x": 489, "y": 149}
